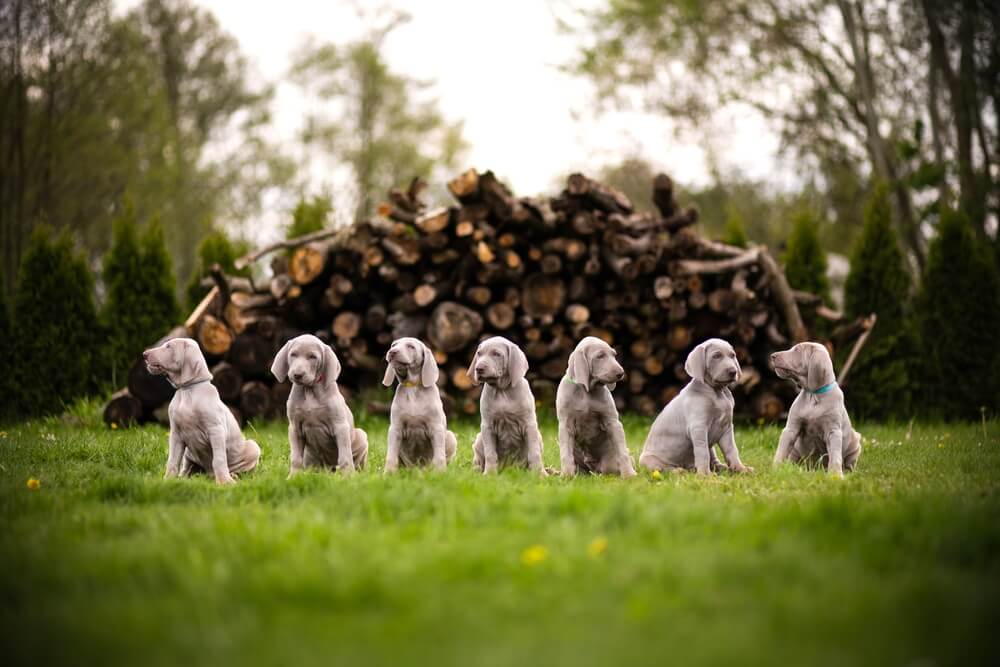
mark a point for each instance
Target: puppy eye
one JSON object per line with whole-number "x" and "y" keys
{"x": 717, "y": 355}
{"x": 601, "y": 355}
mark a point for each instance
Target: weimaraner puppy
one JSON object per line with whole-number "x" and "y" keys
{"x": 702, "y": 414}
{"x": 418, "y": 428}
{"x": 204, "y": 434}
{"x": 591, "y": 437}
{"x": 818, "y": 430}
{"x": 508, "y": 427}
{"x": 321, "y": 429}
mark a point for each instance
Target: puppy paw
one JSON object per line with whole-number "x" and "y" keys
{"x": 744, "y": 470}
{"x": 225, "y": 481}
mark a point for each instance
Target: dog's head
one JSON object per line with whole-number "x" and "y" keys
{"x": 498, "y": 363}
{"x": 713, "y": 361}
{"x": 306, "y": 361}
{"x": 180, "y": 359}
{"x": 593, "y": 363}
{"x": 807, "y": 364}
{"x": 409, "y": 359}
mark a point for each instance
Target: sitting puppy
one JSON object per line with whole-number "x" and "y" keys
{"x": 320, "y": 425}
{"x": 204, "y": 434}
{"x": 418, "y": 428}
{"x": 702, "y": 414}
{"x": 818, "y": 430}
{"x": 509, "y": 428}
{"x": 591, "y": 437}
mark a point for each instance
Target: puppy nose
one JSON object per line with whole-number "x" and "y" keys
{"x": 621, "y": 375}
{"x": 297, "y": 377}
{"x": 731, "y": 373}
{"x": 480, "y": 368}
{"x": 145, "y": 354}
{"x": 393, "y": 353}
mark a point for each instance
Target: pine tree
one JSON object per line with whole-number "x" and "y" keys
{"x": 805, "y": 261}
{"x": 879, "y": 283}
{"x": 309, "y": 215}
{"x": 159, "y": 284}
{"x": 57, "y": 335}
{"x": 958, "y": 311}
{"x": 735, "y": 232}
{"x": 215, "y": 248}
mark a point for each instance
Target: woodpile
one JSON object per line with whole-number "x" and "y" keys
{"x": 542, "y": 272}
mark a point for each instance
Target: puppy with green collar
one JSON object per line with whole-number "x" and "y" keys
{"x": 818, "y": 430}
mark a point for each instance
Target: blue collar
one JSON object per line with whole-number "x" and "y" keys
{"x": 822, "y": 390}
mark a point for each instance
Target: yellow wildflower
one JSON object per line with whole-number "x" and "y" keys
{"x": 534, "y": 555}
{"x": 597, "y": 547}
{"x": 33, "y": 484}
{"x": 114, "y": 426}
{"x": 657, "y": 475}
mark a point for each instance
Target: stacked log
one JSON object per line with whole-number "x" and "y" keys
{"x": 541, "y": 272}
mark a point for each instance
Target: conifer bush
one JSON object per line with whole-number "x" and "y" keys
{"x": 735, "y": 232}
{"x": 958, "y": 313}
{"x": 6, "y": 355}
{"x": 805, "y": 260}
{"x": 879, "y": 282}
{"x": 308, "y": 216}
{"x": 141, "y": 305}
{"x": 57, "y": 334}
{"x": 215, "y": 248}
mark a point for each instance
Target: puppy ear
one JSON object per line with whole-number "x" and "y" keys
{"x": 739, "y": 369}
{"x": 819, "y": 368}
{"x": 472, "y": 368}
{"x": 390, "y": 376}
{"x": 579, "y": 368}
{"x": 193, "y": 364}
{"x": 429, "y": 370}
{"x": 279, "y": 367}
{"x": 331, "y": 364}
{"x": 694, "y": 366}
{"x": 517, "y": 364}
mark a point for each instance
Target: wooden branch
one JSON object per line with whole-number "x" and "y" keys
{"x": 252, "y": 257}
{"x": 783, "y": 295}
{"x": 695, "y": 266}
{"x": 192, "y": 321}
{"x": 869, "y": 324}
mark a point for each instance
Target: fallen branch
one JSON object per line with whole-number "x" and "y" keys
{"x": 869, "y": 324}
{"x": 252, "y": 257}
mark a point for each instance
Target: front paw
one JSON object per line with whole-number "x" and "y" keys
{"x": 225, "y": 481}
{"x": 170, "y": 474}
{"x": 705, "y": 472}
{"x": 720, "y": 467}
{"x": 743, "y": 470}
{"x": 345, "y": 470}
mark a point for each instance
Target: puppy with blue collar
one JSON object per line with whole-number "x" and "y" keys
{"x": 818, "y": 430}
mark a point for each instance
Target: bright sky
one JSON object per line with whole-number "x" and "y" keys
{"x": 495, "y": 65}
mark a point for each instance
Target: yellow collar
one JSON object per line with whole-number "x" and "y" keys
{"x": 410, "y": 385}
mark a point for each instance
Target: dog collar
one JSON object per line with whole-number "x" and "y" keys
{"x": 822, "y": 390}
{"x": 187, "y": 385}
{"x": 409, "y": 385}
{"x": 571, "y": 380}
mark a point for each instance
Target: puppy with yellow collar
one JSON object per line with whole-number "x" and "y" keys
{"x": 418, "y": 428}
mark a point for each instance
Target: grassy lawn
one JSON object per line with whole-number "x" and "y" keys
{"x": 107, "y": 564}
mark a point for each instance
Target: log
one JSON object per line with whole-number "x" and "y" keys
{"x": 767, "y": 406}
{"x": 500, "y": 316}
{"x": 424, "y": 295}
{"x": 346, "y": 325}
{"x": 214, "y": 336}
{"x": 255, "y": 400}
{"x": 252, "y": 355}
{"x": 452, "y": 326}
{"x": 307, "y": 263}
{"x": 280, "y": 392}
{"x": 122, "y": 410}
{"x": 228, "y": 379}
{"x": 543, "y": 295}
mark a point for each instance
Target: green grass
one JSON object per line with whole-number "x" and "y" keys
{"x": 108, "y": 564}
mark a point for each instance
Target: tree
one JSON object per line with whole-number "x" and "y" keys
{"x": 123, "y": 309}
{"x": 958, "y": 315}
{"x": 805, "y": 260}
{"x": 851, "y": 75}
{"x": 309, "y": 215}
{"x": 157, "y": 103}
{"x": 380, "y": 124}
{"x": 878, "y": 282}
{"x": 215, "y": 248}
{"x": 158, "y": 284}
{"x": 57, "y": 336}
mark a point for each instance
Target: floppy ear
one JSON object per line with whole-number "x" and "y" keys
{"x": 331, "y": 364}
{"x": 739, "y": 369}
{"x": 472, "y": 368}
{"x": 279, "y": 367}
{"x": 517, "y": 364}
{"x": 695, "y": 363}
{"x": 429, "y": 370}
{"x": 819, "y": 368}
{"x": 579, "y": 368}
{"x": 390, "y": 376}
{"x": 193, "y": 363}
